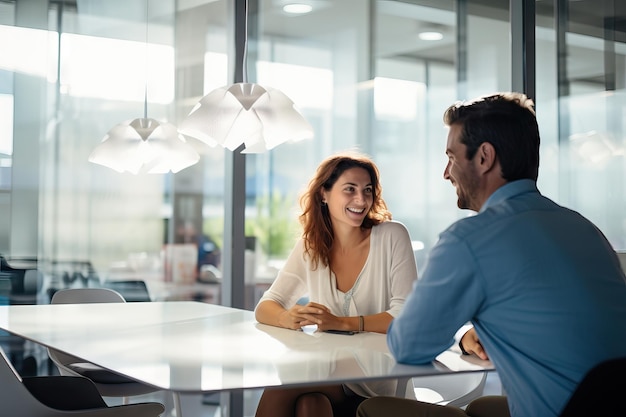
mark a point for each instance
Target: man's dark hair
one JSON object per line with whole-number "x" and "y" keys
{"x": 505, "y": 120}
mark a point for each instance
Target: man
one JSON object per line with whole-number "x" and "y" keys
{"x": 539, "y": 282}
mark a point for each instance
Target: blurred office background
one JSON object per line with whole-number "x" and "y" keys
{"x": 375, "y": 75}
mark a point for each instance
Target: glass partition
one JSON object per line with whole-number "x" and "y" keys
{"x": 581, "y": 54}
{"x": 369, "y": 75}
{"x": 374, "y": 75}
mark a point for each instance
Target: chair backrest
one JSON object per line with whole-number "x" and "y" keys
{"x": 79, "y": 296}
{"x": 16, "y": 400}
{"x": 16, "y": 271}
{"x": 131, "y": 290}
{"x": 7, "y": 371}
{"x": 33, "y": 281}
{"x": 86, "y": 295}
{"x": 622, "y": 260}
{"x": 600, "y": 392}
{"x": 5, "y": 289}
{"x": 14, "y": 396}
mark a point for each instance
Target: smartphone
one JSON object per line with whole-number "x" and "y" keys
{"x": 346, "y": 332}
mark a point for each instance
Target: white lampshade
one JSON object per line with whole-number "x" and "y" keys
{"x": 244, "y": 113}
{"x": 145, "y": 145}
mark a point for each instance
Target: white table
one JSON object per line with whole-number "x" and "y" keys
{"x": 192, "y": 347}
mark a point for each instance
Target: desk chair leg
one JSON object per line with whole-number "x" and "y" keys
{"x": 177, "y": 404}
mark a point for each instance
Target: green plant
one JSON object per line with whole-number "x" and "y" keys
{"x": 275, "y": 225}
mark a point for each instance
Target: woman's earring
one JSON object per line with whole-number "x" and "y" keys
{"x": 323, "y": 203}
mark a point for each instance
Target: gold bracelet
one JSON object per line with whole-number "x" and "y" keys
{"x": 361, "y": 324}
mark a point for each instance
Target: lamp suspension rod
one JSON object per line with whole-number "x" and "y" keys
{"x": 241, "y": 41}
{"x": 145, "y": 88}
{"x": 244, "y": 68}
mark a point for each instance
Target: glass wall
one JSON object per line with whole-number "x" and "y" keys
{"x": 584, "y": 98}
{"x": 373, "y": 75}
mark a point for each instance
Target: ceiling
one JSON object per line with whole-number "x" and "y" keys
{"x": 401, "y": 19}
{"x": 398, "y": 22}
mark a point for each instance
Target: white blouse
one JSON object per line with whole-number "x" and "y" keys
{"x": 383, "y": 284}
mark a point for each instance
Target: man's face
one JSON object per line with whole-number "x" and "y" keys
{"x": 460, "y": 171}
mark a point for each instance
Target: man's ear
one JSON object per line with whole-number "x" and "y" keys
{"x": 486, "y": 156}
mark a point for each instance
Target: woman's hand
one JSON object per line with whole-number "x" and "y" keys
{"x": 304, "y": 315}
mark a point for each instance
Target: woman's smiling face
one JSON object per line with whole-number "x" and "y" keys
{"x": 350, "y": 198}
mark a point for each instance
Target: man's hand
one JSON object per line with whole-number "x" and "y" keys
{"x": 472, "y": 345}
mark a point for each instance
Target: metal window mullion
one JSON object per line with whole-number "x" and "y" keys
{"x": 523, "y": 71}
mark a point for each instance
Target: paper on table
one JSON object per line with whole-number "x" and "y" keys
{"x": 459, "y": 362}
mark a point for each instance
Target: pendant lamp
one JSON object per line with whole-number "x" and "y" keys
{"x": 144, "y": 144}
{"x": 260, "y": 118}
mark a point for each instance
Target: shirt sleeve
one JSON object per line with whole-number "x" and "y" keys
{"x": 461, "y": 332}
{"x": 291, "y": 282}
{"x": 403, "y": 271}
{"x": 445, "y": 298}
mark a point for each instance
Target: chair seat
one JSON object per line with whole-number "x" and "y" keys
{"x": 60, "y": 396}
{"x": 97, "y": 374}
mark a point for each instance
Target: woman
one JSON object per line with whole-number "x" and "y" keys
{"x": 354, "y": 264}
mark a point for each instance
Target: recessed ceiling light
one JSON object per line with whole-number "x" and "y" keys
{"x": 297, "y": 8}
{"x": 430, "y": 36}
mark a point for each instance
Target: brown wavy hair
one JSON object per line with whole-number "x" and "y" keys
{"x": 315, "y": 219}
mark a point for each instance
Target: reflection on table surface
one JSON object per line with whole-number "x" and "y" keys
{"x": 192, "y": 347}
{"x": 209, "y": 291}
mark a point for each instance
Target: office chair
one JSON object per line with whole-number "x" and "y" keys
{"x": 621, "y": 255}
{"x": 131, "y": 290}
{"x": 20, "y": 283}
{"x": 599, "y": 394}
{"x": 454, "y": 390}
{"x": 24, "y": 278}
{"x": 60, "y": 396}
{"x": 108, "y": 383}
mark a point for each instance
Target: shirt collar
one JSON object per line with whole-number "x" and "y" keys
{"x": 509, "y": 190}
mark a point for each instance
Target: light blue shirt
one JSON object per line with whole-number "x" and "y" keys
{"x": 542, "y": 286}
